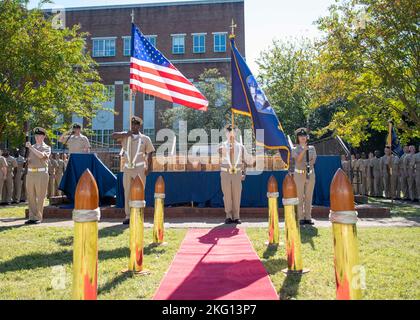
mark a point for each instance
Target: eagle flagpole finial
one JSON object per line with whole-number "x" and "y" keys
{"x": 233, "y": 26}
{"x": 132, "y": 15}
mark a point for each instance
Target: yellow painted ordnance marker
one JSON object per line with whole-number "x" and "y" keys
{"x": 158, "y": 226}
{"x": 292, "y": 228}
{"x": 346, "y": 248}
{"x": 273, "y": 212}
{"x": 86, "y": 215}
{"x": 137, "y": 205}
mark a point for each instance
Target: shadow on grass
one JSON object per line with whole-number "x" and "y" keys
{"x": 270, "y": 251}
{"x": 290, "y": 287}
{"x": 274, "y": 266}
{"x": 120, "y": 278}
{"x": 112, "y": 231}
{"x": 307, "y": 234}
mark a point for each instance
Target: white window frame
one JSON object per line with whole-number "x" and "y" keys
{"x": 217, "y": 48}
{"x": 154, "y": 41}
{"x": 104, "y": 52}
{"x": 200, "y": 48}
{"x": 126, "y": 51}
{"x": 178, "y": 36}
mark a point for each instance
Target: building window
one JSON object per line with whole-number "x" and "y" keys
{"x": 199, "y": 43}
{"x": 220, "y": 42}
{"x": 152, "y": 40}
{"x": 102, "y": 139}
{"x": 150, "y": 133}
{"x": 178, "y": 44}
{"x": 127, "y": 46}
{"x": 109, "y": 92}
{"x": 148, "y": 97}
{"x": 104, "y": 47}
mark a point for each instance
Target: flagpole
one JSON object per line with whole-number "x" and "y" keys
{"x": 232, "y": 36}
{"x": 389, "y": 143}
{"x": 130, "y": 113}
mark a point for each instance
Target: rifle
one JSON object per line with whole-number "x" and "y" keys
{"x": 308, "y": 165}
{"x": 25, "y": 163}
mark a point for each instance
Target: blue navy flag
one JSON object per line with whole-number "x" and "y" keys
{"x": 249, "y": 99}
{"x": 393, "y": 141}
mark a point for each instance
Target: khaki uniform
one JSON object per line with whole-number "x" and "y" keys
{"x": 375, "y": 164}
{"x": 3, "y": 164}
{"x": 363, "y": 183}
{"x": 231, "y": 182}
{"x": 346, "y": 167}
{"x": 37, "y": 181}
{"x": 77, "y": 144}
{"x": 356, "y": 173}
{"x": 18, "y": 183}
{"x": 135, "y": 153}
{"x": 386, "y": 169}
{"x": 411, "y": 175}
{"x": 404, "y": 176}
{"x": 305, "y": 187}
{"x": 59, "y": 172}
{"x": 52, "y": 166}
{"x": 8, "y": 186}
{"x": 417, "y": 164}
{"x": 395, "y": 178}
{"x": 368, "y": 177}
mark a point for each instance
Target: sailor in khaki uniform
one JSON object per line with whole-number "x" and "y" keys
{"x": 37, "y": 176}
{"x": 304, "y": 175}
{"x": 18, "y": 174}
{"x": 404, "y": 174}
{"x": 345, "y": 164}
{"x": 410, "y": 170}
{"x": 375, "y": 164}
{"x": 417, "y": 167}
{"x": 386, "y": 171}
{"x": 8, "y": 187}
{"x": 3, "y": 174}
{"x": 232, "y": 173}
{"x": 75, "y": 140}
{"x": 59, "y": 172}
{"x": 52, "y": 167}
{"x": 362, "y": 168}
{"x": 395, "y": 178}
{"x": 137, "y": 149}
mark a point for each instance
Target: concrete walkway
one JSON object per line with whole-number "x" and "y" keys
{"x": 211, "y": 223}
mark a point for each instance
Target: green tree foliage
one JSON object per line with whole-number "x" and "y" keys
{"x": 370, "y": 58}
{"x": 285, "y": 72}
{"x": 217, "y": 91}
{"x": 44, "y": 71}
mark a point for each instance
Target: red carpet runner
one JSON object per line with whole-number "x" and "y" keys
{"x": 217, "y": 264}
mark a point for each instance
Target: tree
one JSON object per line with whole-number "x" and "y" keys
{"x": 217, "y": 91}
{"x": 285, "y": 72}
{"x": 370, "y": 58}
{"x": 44, "y": 71}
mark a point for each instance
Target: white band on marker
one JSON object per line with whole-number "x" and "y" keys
{"x": 272, "y": 194}
{"x": 290, "y": 201}
{"x": 137, "y": 204}
{"x": 343, "y": 217}
{"x": 159, "y": 196}
{"x": 80, "y": 215}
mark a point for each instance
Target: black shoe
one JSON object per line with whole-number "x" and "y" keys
{"x": 228, "y": 221}
{"x": 237, "y": 221}
{"x": 302, "y": 222}
{"x": 32, "y": 222}
{"x": 126, "y": 221}
{"x": 310, "y": 222}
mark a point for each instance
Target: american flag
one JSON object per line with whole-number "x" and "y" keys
{"x": 153, "y": 74}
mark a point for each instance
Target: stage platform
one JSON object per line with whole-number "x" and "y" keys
{"x": 112, "y": 212}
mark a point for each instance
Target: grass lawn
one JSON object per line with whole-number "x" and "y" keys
{"x": 399, "y": 208}
{"x": 13, "y": 211}
{"x": 391, "y": 257}
{"x": 36, "y": 263}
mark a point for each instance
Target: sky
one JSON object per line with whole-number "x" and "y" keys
{"x": 265, "y": 20}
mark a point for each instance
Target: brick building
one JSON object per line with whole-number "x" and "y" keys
{"x": 193, "y": 35}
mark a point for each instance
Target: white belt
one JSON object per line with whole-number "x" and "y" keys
{"x": 303, "y": 171}
{"x": 136, "y": 165}
{"x": 37, "y": 169}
